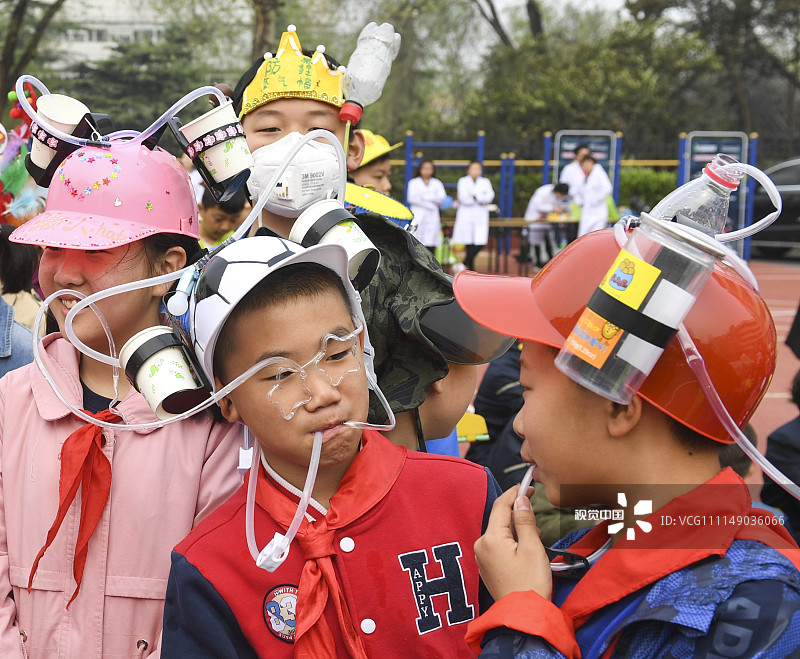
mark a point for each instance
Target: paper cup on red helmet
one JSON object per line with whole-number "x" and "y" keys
{"x": 327, "y": 222}
{"x": 56, "y": 111}
{"x": 218, "y": 139}
{"x": 154, "y": 362}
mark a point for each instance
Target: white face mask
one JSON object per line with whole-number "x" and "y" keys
{"x": 313, "y": 174}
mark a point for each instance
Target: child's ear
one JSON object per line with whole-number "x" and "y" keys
{"x": 226, "y": 405}
{"x": 173, "y": 260}
{"x": 355, "y": 149}
{"x": 437, "y": 387}
{"x": 622, "y": 419}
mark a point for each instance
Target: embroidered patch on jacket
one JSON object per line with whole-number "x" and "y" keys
{"x": 279, "y": 611}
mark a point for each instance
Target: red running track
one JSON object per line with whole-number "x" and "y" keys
{"x": 780, "y": 287}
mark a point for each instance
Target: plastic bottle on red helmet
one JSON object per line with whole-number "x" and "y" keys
{"x": 636, "y": 309}
{"x": 703, "y": 202}
{"x": 651, "y": 286}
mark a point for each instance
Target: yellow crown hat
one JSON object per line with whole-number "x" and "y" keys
{"x": 290, "y": 73}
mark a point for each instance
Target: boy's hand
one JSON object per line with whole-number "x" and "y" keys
{"x": 508, "y": 564}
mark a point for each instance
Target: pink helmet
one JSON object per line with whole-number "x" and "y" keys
{"x": 101, "y": 198}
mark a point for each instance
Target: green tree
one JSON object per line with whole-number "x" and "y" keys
{"x": 432, "y": 69}
{"x": 648, "y": 81}
{"x": 23, "y": 24}
{"x": 140, "y": 80}
{"x": 758, "y": 44}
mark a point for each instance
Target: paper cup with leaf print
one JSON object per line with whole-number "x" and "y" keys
{"x": 217, "y": 138}
{"x": 327, "y": 221}
{"x": 57, "y": 111}
{"x": 154, "y": 362}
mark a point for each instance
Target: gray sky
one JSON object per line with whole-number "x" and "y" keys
{"x": 609, "y": 5}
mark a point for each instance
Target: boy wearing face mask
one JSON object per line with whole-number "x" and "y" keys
{"x": 279, "y": 99}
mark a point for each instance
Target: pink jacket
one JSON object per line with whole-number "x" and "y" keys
{"x": 163, "y": 483}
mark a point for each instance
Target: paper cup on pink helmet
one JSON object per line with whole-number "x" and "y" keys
{"x": 327, "y": 222}
{"x": 57, "y": 111}
{"x": 156, "y": 365}
{"x": 218, "y": 138}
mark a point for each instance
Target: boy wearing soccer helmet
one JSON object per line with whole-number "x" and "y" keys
{"x": 690, "y": 569}
{"x": 357, "y": 579}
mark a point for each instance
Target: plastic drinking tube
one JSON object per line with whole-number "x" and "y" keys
{"x": 526, "y": 482}
{"x": 212, "y": 399}
{"x": 189, "y": 271}
{"x": 558, "y": 566}
{"x": 774, "y": 197}
{"x": 37, "y": 323}
{"x": 591, "y": 558}
{"x": 364, "y": 425}
{"x": 272, "y": 556}
{"x": 179, "y": 302}
{"x": 89, "y": 301}
{"x": 698, "y": 366}
{"x": 116, "y": 137}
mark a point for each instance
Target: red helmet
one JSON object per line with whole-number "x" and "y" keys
{"x": 730, "y": 324}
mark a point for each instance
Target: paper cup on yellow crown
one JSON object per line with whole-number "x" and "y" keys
{"x": 58, "y": 111}
{"x": 154, "y": 362}
{"x": 218, "y": 139}
{"x": 328, "y": 222}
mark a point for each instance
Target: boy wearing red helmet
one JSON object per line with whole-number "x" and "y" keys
{"x": 690, "y": 569}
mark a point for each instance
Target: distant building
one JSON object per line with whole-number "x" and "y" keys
{"x": 88, "y": 30}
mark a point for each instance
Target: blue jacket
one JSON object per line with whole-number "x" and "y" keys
{"x": 16, "y": 341}
{"x": 710, "y": 578}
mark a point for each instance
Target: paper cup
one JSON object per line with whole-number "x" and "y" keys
{"x": 224, "y": 153}
{"x": 345, "y": 233}
{"x": 58, "y": 111}
{"x": 164, "y": 378}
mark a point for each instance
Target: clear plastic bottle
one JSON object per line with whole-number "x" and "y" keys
{"x": 636, "y": 309}
{"x": 368, "y": 68}
{"x": 703, "y": 202}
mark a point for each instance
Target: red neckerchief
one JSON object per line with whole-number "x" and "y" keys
{"x": 666, "y": 549}
{"x": 82, "y": 464}
{"x": 367, "y": 481}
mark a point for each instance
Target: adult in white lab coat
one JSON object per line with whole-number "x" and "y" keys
{"x": 549, "y": 198}
{"x": 471, "y": 227}
{"x": 596, "y": 190}
{"x": 425, "y": 194}
{"x": 573, "y": 175}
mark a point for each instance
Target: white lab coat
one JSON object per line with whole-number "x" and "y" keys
{"x": 542, "y": 202}
{"x": 424, "y": 200}
{"x": 594, "y": 210}
{"x": 573, "y": 176}
{"x": 472, "y": 217}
